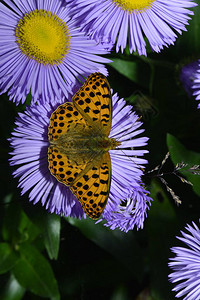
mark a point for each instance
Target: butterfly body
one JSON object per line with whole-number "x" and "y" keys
{"x": 84, "y": 143}
{"x": 79, "y": 144}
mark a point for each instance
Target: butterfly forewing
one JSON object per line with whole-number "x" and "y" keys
{"x": 65, "y": 119}
{"x": 94, "y": 101}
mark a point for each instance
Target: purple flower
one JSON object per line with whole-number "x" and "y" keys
{"x": 190, "y": 78}
{"x": 157, "y": 20}
{"x": 196, "y": 85}
{"x": 186, "y": 265}
{"x": 187, "y": 76}
{"x": 42, "y": 51}
{"x": 30, "y": 147}
{"x": 130, "y": 212}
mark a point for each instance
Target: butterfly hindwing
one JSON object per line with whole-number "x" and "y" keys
{"x": 66, "y": 168}
{"x": 89, "y": 179}
{"x": 94, "y": 102}
{"x": 92, "y": 189}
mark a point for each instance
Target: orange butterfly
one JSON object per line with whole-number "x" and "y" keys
{"x": 79, "y": 145}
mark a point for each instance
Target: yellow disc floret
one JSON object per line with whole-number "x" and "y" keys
{"x": 134, "y": 5}
{"x": 43, "y": 36}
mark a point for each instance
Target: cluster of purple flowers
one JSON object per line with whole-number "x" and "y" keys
{"x": 78, "y": 32}
{"x": 46, "y": 49}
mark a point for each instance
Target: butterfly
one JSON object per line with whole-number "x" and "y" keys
{"x": 79, "y": 144}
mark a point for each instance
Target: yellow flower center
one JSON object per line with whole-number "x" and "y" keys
{"x": 43, "y": 36}
{"x": 134, "y": 5}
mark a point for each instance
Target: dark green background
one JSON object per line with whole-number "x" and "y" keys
{"x": 42, "y": 255}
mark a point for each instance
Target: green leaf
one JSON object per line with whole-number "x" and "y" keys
{"x": 8, "y": 258}
{"x": 11, "y": 222}
{"x": 189, "y": 43}
{"x": 127, "y": 68}
{"x": 13, "y": 290}
{"x": 17, "y": 227}
{"x": 137, "y": 71}
{"x": 34, "y": 273}
{"x": 179, "y": 154}
{"x": 115, "y": 242}
{"x": 161, "y": 225}
{"x": 50, "y": 225}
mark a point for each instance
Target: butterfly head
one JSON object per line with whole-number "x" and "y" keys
{"x": 105, "y": 143}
